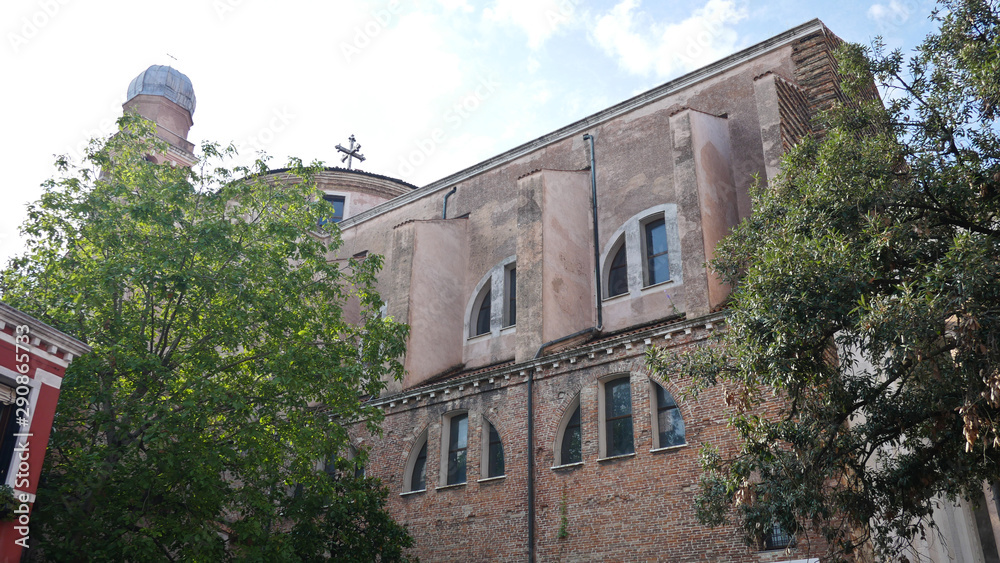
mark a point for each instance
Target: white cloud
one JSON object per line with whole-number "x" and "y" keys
{"x": 646, "y": 47}
{"x": 533, "y": 65}
{"x": 539, "y": 19}
{"x": 451, "y": 5}
{"x": 893, "y": 14}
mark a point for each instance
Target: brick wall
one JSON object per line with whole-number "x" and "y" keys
{"x": 634, "y": 508}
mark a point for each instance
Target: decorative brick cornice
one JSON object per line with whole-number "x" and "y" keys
{"x": 514, "y": 374}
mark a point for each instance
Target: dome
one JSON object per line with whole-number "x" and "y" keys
{"x": 159, "y": 80}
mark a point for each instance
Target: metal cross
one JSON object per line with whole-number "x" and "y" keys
{"x": 352, "y": 153}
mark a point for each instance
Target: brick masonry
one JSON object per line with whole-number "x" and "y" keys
{"x": 634, "y": 508}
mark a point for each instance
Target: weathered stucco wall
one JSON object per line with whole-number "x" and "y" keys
{"x": 436, "y": 305}
{"x": 716, "y": 192}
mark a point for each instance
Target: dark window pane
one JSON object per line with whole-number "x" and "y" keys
{"x": 620, "y": 437}
{"x": 619, "y": 397}
{"x": 671, "y": 427}
{"x": 618, "y": 274}
{"x": 657, "y": 260}
{"x": 483, "y": 318}
{"x": 663, "y": 399}
{"x": 458, "y": 436}
{"x": 418, "y": 481}
{"x": 659, "y": 269}
{"x": 777, "y": 539}
{"x": 618, "y": 417}
{"x": 572, "y": 451}
{"x": 456, "y": 467}
{"x": 495, "y": 465}
{"x": 656, "y": 237}
{"x": 512, "y": 297}
{"x": 8, "y": 427}
{"x": 668, "y": 419}
{"x": 337, "y": 201}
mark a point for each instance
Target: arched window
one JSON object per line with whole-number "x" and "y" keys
{"x": 616, "y": 418}
{"x": 483, "y": 316}
{"x": 668, "y": 426}
{"x": 455, "y": 446}
{"x": 618, "y": 273}
{"x": 644, "y": 251}
{"x": 495, "y": 304}
{"x": 569, "y": 443}
{"x": 492, "y": 457}
{"x": 415, "y": 477}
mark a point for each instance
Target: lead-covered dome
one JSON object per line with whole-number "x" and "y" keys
{"x": 159, "y": 80}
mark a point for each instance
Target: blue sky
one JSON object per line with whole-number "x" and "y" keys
{"x": 427, "y": 87}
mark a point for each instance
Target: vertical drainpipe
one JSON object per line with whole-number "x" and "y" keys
{"x": 597, "y": 250}
{"x": 444, "y": 212}
{"x": 531, "y": 372}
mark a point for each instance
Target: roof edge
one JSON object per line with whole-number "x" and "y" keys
{"x": 649, "y": 96}
{"x": 46, "y": 332}
{"x": 351, "y": 171}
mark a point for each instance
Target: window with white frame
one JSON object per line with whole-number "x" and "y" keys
{"x": 415, "y": 474}
{"x": 494, "y": 305}
{"x": 454, "y": 448}
{"x": 616, "y": 417}
{"x": 643, "y": 252}
{"x": 668, "y": 425}
{"x": 569, "y": 438}
{"x": 339, "y": 203}
{"x": 657, "y": 262}
{"x": 492, "y": 456}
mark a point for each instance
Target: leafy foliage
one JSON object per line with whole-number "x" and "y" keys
{"x": 224, "y": 364}
{"x": 867, "y": 297}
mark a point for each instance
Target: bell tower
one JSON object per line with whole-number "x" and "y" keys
{"x": 165, "y": 96}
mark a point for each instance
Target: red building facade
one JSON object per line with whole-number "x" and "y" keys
{"x": 33, "y": 361}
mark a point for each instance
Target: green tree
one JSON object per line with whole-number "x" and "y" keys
{"x": 223, "y": 368}
{"x": 867, "y": 296}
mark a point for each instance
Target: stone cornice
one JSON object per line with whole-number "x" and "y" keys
{"x": 590, "y": 351}
{"x": 43, "y": 336}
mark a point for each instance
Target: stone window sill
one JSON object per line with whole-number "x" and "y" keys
{"x": 567, "y": 466}
{"x": 646, "y": 289}
{"x": 491, "y": 479}
{"x": 616, "y": 457}
{"x": 668, "y": 448}
{"x": 408, "y": 493}
{"x": 445, "y": 487}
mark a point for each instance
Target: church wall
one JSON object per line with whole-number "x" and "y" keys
{"x": 636, "y": 170}
{"x": 633, "y": 508}
{"x": 690, "y": 158}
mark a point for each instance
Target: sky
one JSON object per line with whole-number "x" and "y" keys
{"x": 428, "y": 87}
